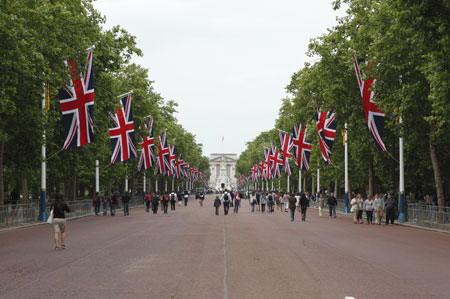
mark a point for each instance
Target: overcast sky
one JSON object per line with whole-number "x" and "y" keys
{"x": 226, "y": 62}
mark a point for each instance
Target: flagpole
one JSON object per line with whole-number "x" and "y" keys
{"x": 288, "y": 183}
{"x": 318, "y": 180}
{"x": 144, "y": 187}
{"x": 402, "y": 215}
{"x": 299, "y": 180}
{"x": 156, "y": 185}
{"x": 173, "y": 184}
{"x": 97, "y": 176}
{"x": 43, "y": 212}
{"x": 165, "y": 185}
{"x": 346, "y": 209}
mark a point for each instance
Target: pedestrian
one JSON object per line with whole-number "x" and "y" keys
{"x": 297, "y": 202}
{"x": 173, "y": 198}
{"x": 304, "y": 204}
{"x": 155, "y": 203}
{"x": 321, "y": 204}
{"x": 165, "y": 202}
{"x": 285, "y": 204}
{"x": 360, "y": 202}
{"x": 354, "y": 209}
{"x": 96, "y": 202}
{"x": 263, "y": 203}
{"x": 270, "y": 202}
{"x": 226, "y": 198}
{"x": 368, "y": 208}
{"x": 180, "y": 198}
{"x": 332, "y": 203}
{"x": 126, "y": 201}
{"x": 379, "y": 208}
{"x": 186, "y": 197}
{"x": 14, "y": 198}
{"x": 258, "y": 200}
{"x": 291, "y": 204}
{"x": 237, "y": 202}
{"x": 278, "y": 202}
{"x": 147, "y": 200}
{"x": 105, "y": 204}
{"x": 391, "y": 206}
{"x": 113, "y": 204}
{"x": 253, "y": 201}
{"x": 59, "y": 208}
{"x": 217, "y": 204}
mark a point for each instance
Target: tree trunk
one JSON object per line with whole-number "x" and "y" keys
{"x": 437, "y": 177}
{"x": 2, "y": 191}
{"x": 371, "y": 177}
{"x": 74, "y": 186}
{"x": 24, "y": 186}
{"x": 336, "y": 188}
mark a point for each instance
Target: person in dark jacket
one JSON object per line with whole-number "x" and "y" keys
{"x": 332, "y": 203}
{"x": 155, "y": 203}
{"x": 126, "y": 201}
{"x": 96, "y": 202}
{"x": 217, "y": 204}
{"x": 180, "y": 198}
{"x": 165, "y": 202}
{"x": 304, "y": 204}
{"x": 291, "y": 205}
{"x": 59, "y": 208}
{"x": 391, "y": 206}
{"x": 186, "y": 197}
{"x": 113, "y": 204}
{"x": 173, "y": 199}
{"x": 147, "y": 200}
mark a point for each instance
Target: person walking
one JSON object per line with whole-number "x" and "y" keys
{"x": 186, "y": 197}
{"x": 304, "y": 204}
{"x": 237, "y": 202}
{"x": 332, "y": 203}
{"x": 369, "y": 207}
{"x": 258, "y": 200}
{"x": 391, "y": 206}
{"x": 291, "y": 204}
{"x": 180, "y": 198}
{"x": 263, "y": 203}
{"x": 96, "y": 202}
{"x": 59, "y": 208}
{"x": 379, "y": 208}
{"x": 126, "y": 201}
{"x": 165, "y": 202}
{"x": 217, "y": 204}
{"x": 270, "y": 202}
{"x": 354, "y": 209}
{"x": 105, "y": 204}
{"x": 155, "y": 203}
{"x": 321, "y": 204}
{"x": 285, "y": 204}
{"x": 173, "y": 198}
{"x": 113, "y": 204}
{"x": 360, "y": 202}
{"x": 252, "y": 201}
{"x": 297, "y": 201}
{"x": 226, "y": 198}
{"x": 147, "y": 200}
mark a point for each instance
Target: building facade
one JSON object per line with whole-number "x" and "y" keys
{"x": 223, "y": 171}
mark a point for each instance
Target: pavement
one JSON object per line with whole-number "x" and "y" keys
{"x": 191, "y": 253}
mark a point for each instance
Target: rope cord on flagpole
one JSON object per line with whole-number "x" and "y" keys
{"x": 392, "y": 157}
{"x": 51, "y": 156}
{"x": 337, "y": 167}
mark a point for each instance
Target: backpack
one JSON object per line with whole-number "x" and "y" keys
{"x": 225, "y": 197}
{"x": 147, "y": 198}
{"x": 270, "y": 197}
{"x": 172, "y": 197}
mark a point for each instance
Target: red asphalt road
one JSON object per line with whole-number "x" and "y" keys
{"x": 191, "y": 253}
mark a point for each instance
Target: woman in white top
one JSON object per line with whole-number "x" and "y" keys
{"x": 369, "y": 207}
{"x": 354, "y": 209}
{"x": 360, "y": 203}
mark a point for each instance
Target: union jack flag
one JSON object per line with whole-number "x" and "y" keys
{"x": 178, "y": 171}
{"x": 254, "y": 173}
{"x": 162, "y": 162}
{"x": 276, "y": 162}
{"x": 302, "y": 150}
{"x": 184, "y": 168}
{"x": 286, "y": 146}
{"x": 267, "y": 168}
{"x": 147, "y": 158}
{"x": 171, "y": 159}
{"x": 373, "y": 113}
{"x": 326, "y": 129}
{"x": 77, "y": 106}
{"x": 122, "y": 135}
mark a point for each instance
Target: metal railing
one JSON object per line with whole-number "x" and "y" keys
{"x": 423, "y": 213}
{"x": 17, "y": 215}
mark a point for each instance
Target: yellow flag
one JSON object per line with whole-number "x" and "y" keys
{"x": 47, "y": 97}
{"x": 343, "y": 137}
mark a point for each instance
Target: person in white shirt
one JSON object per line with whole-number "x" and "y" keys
{"x": 369, "y": 207}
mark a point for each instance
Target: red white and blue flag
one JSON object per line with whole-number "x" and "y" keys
{"x": 286, "y": 147}
{"x": 266, "y": 165}
{"x": 373, "y": 113}
{"x": 178, "y": 171}
{"x": 162, "y": 161}
{"x": 326, "y": 130}
{"x": 275, "y": 161}
{"x": 122, "y": 135}
{"x": 302, "y": 148}
{"x": 77, "y": 105}
{"x": 171, "y": 159}
{"x": 254, "y": 173}
{"x": 147, "y": 158}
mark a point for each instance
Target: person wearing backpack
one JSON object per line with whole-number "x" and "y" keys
{"x": 226, "y": 202}
{"x": 155, "y": 203}
{"x": 147, "y": 200}
{"x": 105, "y": 204}
{"x": 173, "y": 198}
{"x": 237, "y": 200}
{"x": 270, "y": 202}
{"x": 165, "y": 202}
{"x": 96, "y": 203}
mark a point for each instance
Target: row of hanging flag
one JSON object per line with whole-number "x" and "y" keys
{"x": 326, "y": 123}
{"x": 77, "y": 107}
